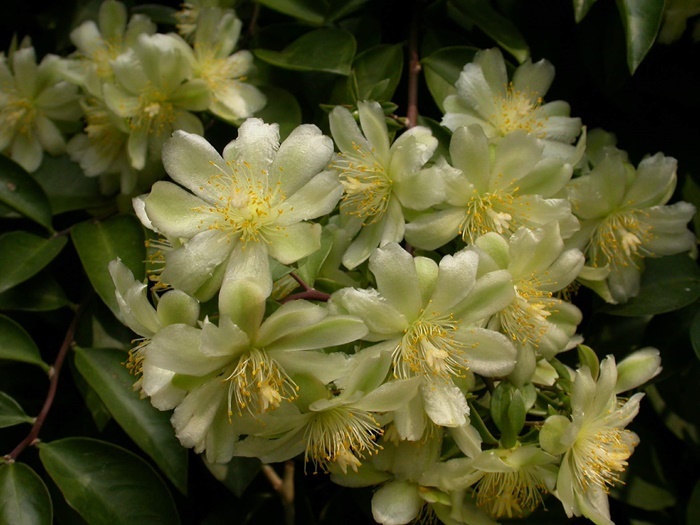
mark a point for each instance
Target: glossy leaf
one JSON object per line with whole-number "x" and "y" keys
{"x": 23, "y": 254}
{"x": 24, "y": 498}
{"x": 19, "y": 191}
{"x": 311, "y": 11}
{"x": 104, "y": 371}
{"x": 376, "y": 72}
{"x": 442, "y": 70}
{"x": 98, "y": 243}
{"x": 11, "y": 413}
{"x": 237, "y": 474}
{"x": 107, "y": 484}
{"x": 40, "y": 293}
{"x": 17, "y": 345}
{"x": 581, "y": 8}
{"x": 282, "y": 107}
{"x": 482, "y": 14}
{"x": 66, "y": 186}
{"x": 329, "y": 50}
{"x": 668, "y": 284}
{"x": 642, "y": 20}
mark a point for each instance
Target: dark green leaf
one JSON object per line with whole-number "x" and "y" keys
{"x": 160, "y": 14}
{"x": 668, "y": 283}
{"x": 98, "y": 243}
{"x": 693, "y": 514}
{"x": 19, "y": 191}
{"x": 482, "y": 14}
{"x": 23, "y": 254}
{"x": 340, "y": 8}
{"x": 104, "y": 370}
{"x": 282, "y": 108}
{"x": 17, "y": 345}
{"x": 376, "y": 72}
{"x": 695, "y": 334}
{"x": 41, "y": 293}
{"x": 442, "y": 70}
{"x": 98, "y": 410}
{"x": 24, "y": 499}
{"x": 11, "y": 413}
{"x": 329, "y": 50}
{"x": 581, "y": 8}
{"x": 106, "y": 484}
{"x": 66, "y": 186}
{"x": 311, "y": 11}
{"x": 642, "y": 20}
{"x": 236, "y": 474}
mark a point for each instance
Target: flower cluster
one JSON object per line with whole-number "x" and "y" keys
{"x": 395, "y": 316}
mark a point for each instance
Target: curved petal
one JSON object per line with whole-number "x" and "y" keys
{"x": 304, "y": 153}
{"x": 397, "y": 279}
{"x": 176, "y": 212}
{"x": 486, "y": 352}
{"x": 255, "y": 147}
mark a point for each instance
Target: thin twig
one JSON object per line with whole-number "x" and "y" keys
{"x": 414, "y": 69}
{"x": 54, "y": 373}
{"x": 308, "y": 293}
{"x": 284, "y": 487}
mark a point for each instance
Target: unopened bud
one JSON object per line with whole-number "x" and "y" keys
{"x": 637, "y": 368}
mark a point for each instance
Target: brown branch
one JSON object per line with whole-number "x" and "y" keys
{"x": 284, "y": 487}
{"x": 414, "y": 69}
{"x": 308, "y": 293}
{"x": 54, "y": 373}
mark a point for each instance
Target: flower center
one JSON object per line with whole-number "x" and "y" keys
{"x": 510, "y": 494}
{"x": 104, "y": 136}
{"x": 487, "y": 213}
{"x": 258, "y": 384}
{"x": 247, "y": 206}
{"x": 525, "y": 319}
{"x": 600, "y": 457}
{"x": 18, "y": 113}
{"x": 517, "y": 110}
{"x": 219, "y": 73}
{"x": 429, "y": 348}
{"x": 366, "y": 183}
{"x": 341, "y": 434}
{"x": 155, "y": 113}
{"x": 619, "y": 240}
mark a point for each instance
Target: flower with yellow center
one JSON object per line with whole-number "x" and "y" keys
{"x": 33, "y": 99}
{"x": 486, "y": 97}
{"x": 379, "y": 178}
{"x": 427, "y": 316}
{"x": 494, "y": 188}
{"x": 212, "y": 59}
{"x": 253, "y": 202}
{"x": 625, "y": 219}
{"x": 594, "y": 442}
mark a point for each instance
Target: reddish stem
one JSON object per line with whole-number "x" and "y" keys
{"x": 414, "y": 69}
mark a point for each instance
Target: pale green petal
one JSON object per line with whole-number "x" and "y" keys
{"x": 191, "y": 161}
{"x": 374, "y": 127}
{"x": 389, "y": 396}
{"x": 533, "y": 80}
{"x": 193, "y": 418}
{"x": 456, "y": 277}
{"x": 668, "y": 226}
{"x": 156, "y": 384}
{"x": 624, "y": 282}
{"x": 444, "y": 403}
{"x": 381, "y": 317}
{"x": 410, "y": 419}
{"x": 362, "y": 246}
{"x": 59, "y": 101}
{"x": 49, "y": 136}
{"x": 596, "y": 195}
{"x": 459, "y": 114}
{"x": 177, "y": 213}
{"x": 397, "y": 280}
{"x": 546, "y": 178}
{"x": 190, "y": 266}
{"x": 287, "y": 319}
{"x": 637, "y": 368}
{"x": 322, "y": 366}
{"x": 237, "y": 100}
{"x": 486, "y": 352}
{"x": 369, "y": 369}
{"x": 535, "y": 211}
{"x": 192, "y": 95}
{"x": 422, "y": 189}
{"x": 491, "y": 293}
{"x": 654, "y": 183}
{"x": 226, "y": 340}
{"x": 593, "y": 503}
{"x": 26, "y": 151}
{"x": 410, "y": 152}
{"x": 137, "y": 147}
{"x": 136, "y": 311}
{"x": 533, "y": 251}
{"x": 624, "y": 415}
{"x": 467, "y": 439}
{"x": 559, "y": 131}
{"x": 87, "y": 38}
{"x": 185, "y": 121}
{"x": 256, "y": 145}
{"x": 332, "y": 331}
{"x": 469, "y": 150}
{"x": 605, "y": 387}
{"x": 396, "y": 503}
{"x": 316, "y": 198}
{"x": 516, "y": 155}
{"x": 393, "y": 225}
{"x": 304, "y": 153}
{"x": 346, "y": 133}
{"x": 129, "y": 74}
{"x": 176, "y": 348}
{"x": 564, "y": 271}
{"x": 175, "y": 306}
{"x": 429, "y": 231}
{"x": 427, "y": 271}
{"x": 291, "y": 243}
{"x": 112, "y": 19}
{"x": 246, "y": 286}
{"x": 25, "y": 70}
{"x": 477, "y": 84}
{"x": 119, "y": 101}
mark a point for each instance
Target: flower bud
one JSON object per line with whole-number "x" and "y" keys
{"x": 637, "y": 368}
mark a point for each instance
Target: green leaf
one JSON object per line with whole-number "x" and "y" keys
{"x": 508, "y": 412}
{"x": 19, "y": 191}
{"x": 668, "y": 283}
{"x": 482, "y": 14}
{"x": 311, "y": 11}
{"x": 282, "y": 107}
{"x": 376, "y": 72}
{"x": 98, "y": 243}
{"x": 442, "y": 70}
{"x": 237, "y": 474}
{"x": 693, "y": 513}
{"x": 587, "y": 357}
{"x": 23, "y": 254}
{"x": 642, "y": 20}
{"x": 581, "y": 8}
{"x": 329, "y": 50}
{"x": 11, "y": 413}
{"x": 17, "y": 345}
{"x": 695, "y": 334}
{"x": 340, "y": 8}
{"x": 104, "y": 370}
{"x": 24, "y": 499}
{"x": 41, "y": 293}
{"x": 159, "y": 14}
{"x": 107, "y": 484}
{"x": 66, "y": 186}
